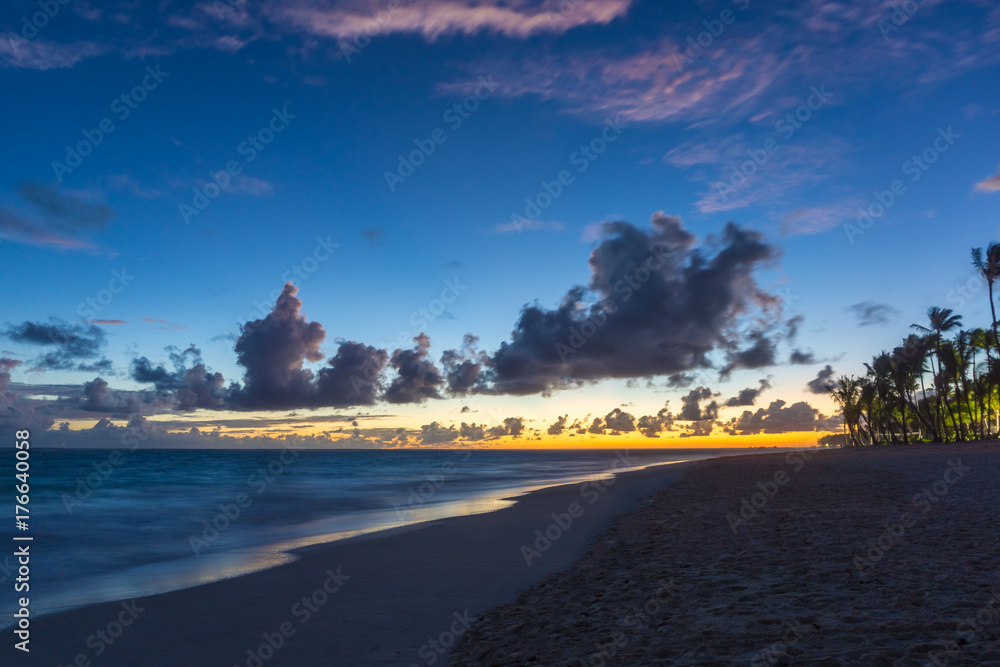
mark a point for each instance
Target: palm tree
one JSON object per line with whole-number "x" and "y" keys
{"x": 940, "y": 320}
{"x": 904, "y": 379}
{"x": 915, "y": 351}
{"x": 847, "y": 394}
{"x": 866, "y": 401}
{"x": 977, "y": 341}
{"x": 989, "y": 268}
{"x": 955, "y": 359}
{"x": 880, "y": 372}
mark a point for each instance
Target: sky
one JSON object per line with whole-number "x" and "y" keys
{"x": 519, "y": 223}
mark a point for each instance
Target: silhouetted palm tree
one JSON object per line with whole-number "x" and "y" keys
{"x": 940, "y": 320}
{"x": 847, "y": 394}
{"x": 989, "y": 267}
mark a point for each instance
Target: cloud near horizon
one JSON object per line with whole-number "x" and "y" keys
{"x": 657, "y": 303}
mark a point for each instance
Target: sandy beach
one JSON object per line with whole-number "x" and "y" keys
{"x": 397, "y": 597}
{"x": 884, "y": 556}
{"x": 880, "y": 556}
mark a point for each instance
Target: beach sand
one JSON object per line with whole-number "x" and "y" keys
{"x": 840, "y": 565}
{"x": 836, "y": 565}
{"x": 379, "y": 599}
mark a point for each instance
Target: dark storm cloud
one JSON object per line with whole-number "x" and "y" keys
{"x": 472, "y": 431}
{"x": 823, "y": 381}
{"x": 99, "y": 397}
{"x": 700, "y": 428}
{"x": 872, "y": 314}
{"x": 13, "y": 413}
{"x": 793, "y": 325}
{"x": 463, "y": 368}
{"x": 512, "y": 426}
{"x": 691, "y": 406}
{"x": 662, "y": 307}
{"x": 681, "y": 380}
{"x": 434, "y": 433}
{"x": 802, "y": 358}
{"x": 71, "y": 346}
{"x": 780, "y": 419}
{"x": 557, "y": 427}
{"x": 272, "y": 352}
{"x": 652, "y": 425}
{"x": 352, "y": 376}
{"x": 619, "y": 422}
{"x": 748, "y": 396}
{"x": 417, "y": 378}
{"x": 760, "y": 354}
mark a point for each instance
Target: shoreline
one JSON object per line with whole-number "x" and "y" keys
{"x": 458, "y": 565}
{"x": 174, "y": 575}
{"x": 869, "y": 556}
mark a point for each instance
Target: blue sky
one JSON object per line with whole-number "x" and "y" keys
{"x": 353, "y": 93}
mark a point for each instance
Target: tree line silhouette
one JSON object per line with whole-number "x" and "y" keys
{"x": 940, "y": 384}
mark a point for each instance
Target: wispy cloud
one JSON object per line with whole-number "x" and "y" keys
{"x": 249, "y": 185}
{"x": 527, "y": 225}
{"x": 164, "y": 325}
{"x": 754, "y": 64}
{"x": 45, "y": 55}
{"x": 48, "y": 215}
{"x": 991, "y": 184}
{"x": 511, "y": 18}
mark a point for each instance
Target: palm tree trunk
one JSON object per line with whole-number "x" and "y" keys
{"x": 931, "y": 427}
{"x": 993, "y": 312}
{"x": 902, "y": 408}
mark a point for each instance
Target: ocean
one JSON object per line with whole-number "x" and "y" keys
{"x": 114, "y": 524}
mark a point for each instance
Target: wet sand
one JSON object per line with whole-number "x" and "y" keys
{"x": 398, "y": 597}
